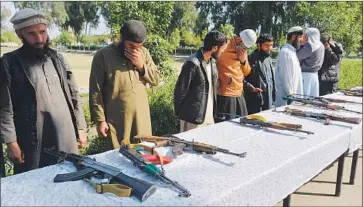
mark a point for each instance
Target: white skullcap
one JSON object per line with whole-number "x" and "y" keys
{"x": 295, "y": 29}
{"x": 28, "y": 17}
{"x": 248, "y": 37}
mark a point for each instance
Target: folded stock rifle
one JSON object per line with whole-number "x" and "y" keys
{"x": 321, "y": 116}
{"x": 140, "y": 162}
{"x": 327, "y": 100}
{"x": 179, "y": 145}
{"x": 318, "y": 104}
{"x": 259, "y": 121}
{"x": 93, "y": 171}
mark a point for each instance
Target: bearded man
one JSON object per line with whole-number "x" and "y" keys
{"x": 39, "y": 100}
{"x": 195, "y": 93}
{"x": 260, "y": 87}
{"x": 288, "y": 70}
{"x": 118, "y": 93}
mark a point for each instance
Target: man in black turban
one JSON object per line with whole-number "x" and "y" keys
{"x": 118, "y": 96}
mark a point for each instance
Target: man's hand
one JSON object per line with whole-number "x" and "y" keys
{"x": 14, "y": 152}
{"x": 241, "y": 53}
{"x": 256, "y": 90}
{"x": 82, "y": 139}
{"x": 134, "y": 55}
{"x": 102, "y": 129}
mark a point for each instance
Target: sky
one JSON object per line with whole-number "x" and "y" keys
{"x": 54, "y": 31}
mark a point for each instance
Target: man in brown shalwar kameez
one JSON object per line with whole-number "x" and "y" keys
{"x": 118, "y": 93}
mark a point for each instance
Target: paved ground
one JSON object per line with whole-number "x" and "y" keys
{"x": 320, "y": 191}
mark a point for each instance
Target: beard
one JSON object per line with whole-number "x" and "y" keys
{"x": 296, "y": 44}
{"x": 36, "y": 54}
{"x": 265, "y": 53}
{"x": 122, "y": 49}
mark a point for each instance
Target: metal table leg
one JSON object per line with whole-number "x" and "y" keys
{"x": 339, "y": 175}
{"x": 353, "y": 168}
{"x": 286, "y": 201}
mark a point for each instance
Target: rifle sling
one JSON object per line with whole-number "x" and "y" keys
{"x": 116, "y": 189}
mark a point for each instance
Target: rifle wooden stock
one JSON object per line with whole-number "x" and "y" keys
{"x": 352, "y": 120}
{"x": 296, "y": 126}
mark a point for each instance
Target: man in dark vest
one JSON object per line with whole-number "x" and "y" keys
{"x": 260, "y": 85}
{"x": 39, "y": 100}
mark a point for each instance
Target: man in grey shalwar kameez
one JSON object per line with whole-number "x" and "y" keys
{"x": 39, "y": 101}
{"x": 311, "y": 57}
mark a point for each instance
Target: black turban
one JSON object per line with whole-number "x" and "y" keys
{"x": 134, "y": 31}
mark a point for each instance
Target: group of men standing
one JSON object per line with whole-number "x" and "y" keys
{"x": 221, "y": 82}
{"x": 40, "y": 104}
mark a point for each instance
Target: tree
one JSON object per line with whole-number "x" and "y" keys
{"x": 75, "y": 17}
{"x": 184, "y": 16}
{"x": 5, "y": 13}
{"x": 341, "y": 19}
{"x": 64, "y": 38}
{"x": 91, "y": 15}
{"x": 174, "y": 40}
{"x": 143, "y": 11}
{"x": 227, "y": 30}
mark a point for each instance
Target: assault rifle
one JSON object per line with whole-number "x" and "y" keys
{"x": 91, "y": 168}
{"x": 140, "y": 162}
{"x": 351, "y": 92}
{"x": 327, "y": 100}
{"x": 273, "y": 125}
{"x": 179, "y": 145}
{"x": 319, "y": 104}
{"x": 323, "y": 116}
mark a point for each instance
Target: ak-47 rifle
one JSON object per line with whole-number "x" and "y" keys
{"x": 351, "y": 92}
{"x": 327, "y": 100}
{"x": 179, "y": 145}
{"x": 322, "y": 116}
{"x": 259, "y": 121}
{"x": 90, "y": 168}
{"x": 319, "y": 104}
{"x": 140, "y": 162}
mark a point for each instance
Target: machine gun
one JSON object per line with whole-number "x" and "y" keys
{"x": 140, "y": 162}
{"x": 91, "y": 168}
{"x": 321, "y": 116}
{"x": 327, "y": 100}
{"x": 319, "y": 104}
{"x": 259, "y": 121}
{"x": 179, "y": 145}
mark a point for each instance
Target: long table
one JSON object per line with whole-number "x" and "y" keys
{"x": 277, "y": 164}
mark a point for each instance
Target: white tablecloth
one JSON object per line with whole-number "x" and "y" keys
{"x": 356, "y": 133}
{"x": 277, "y": 164}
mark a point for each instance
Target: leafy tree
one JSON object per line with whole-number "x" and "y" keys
{"x": 144, "y": 11}
{"x": 65, "y": 38}
{"x": 10, "y": 36}
{"x": 341, "y": 19}
{"x": 5, "y": 14}
{"x": 174, "y": 39}
{"x": 227, "y": 29}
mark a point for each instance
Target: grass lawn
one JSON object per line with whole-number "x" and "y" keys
{"x": 351, "y": 73}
